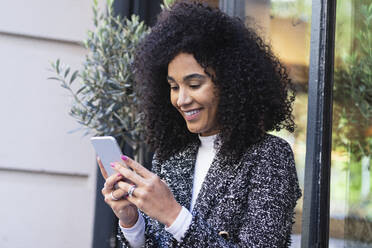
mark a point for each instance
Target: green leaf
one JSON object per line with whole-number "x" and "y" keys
{"x": 109, "y": 3}
{"x": 80, "y": 90}
{"x": 66, "y": 72}
{"x": 54, "y": 78}
{"x": 73, "y": 77}
{"x": 57, "y": 66}
{"x": 166, "y": 4}
{"x": 64, "y": 86}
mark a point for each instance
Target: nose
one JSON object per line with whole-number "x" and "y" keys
{"x": 184, "y": 97}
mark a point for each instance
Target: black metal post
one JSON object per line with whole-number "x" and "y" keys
{"x": 146, "y": 10}
{"x": 105, "y": 222}
{"x": 315, "y": 218}
{"x": 233, "y": 7}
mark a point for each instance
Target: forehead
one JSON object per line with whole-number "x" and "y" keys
{"x": 183, "y": 64}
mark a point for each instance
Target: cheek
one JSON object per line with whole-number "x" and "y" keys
{"x": 173, "y": 99}
{"x": 212, "y": 101}
{"x": 214, "y": 106}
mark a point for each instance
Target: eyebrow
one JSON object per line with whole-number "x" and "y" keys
{"x": 189, "y": 77}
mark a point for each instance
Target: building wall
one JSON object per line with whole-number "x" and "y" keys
{"x": 47, "y": 175}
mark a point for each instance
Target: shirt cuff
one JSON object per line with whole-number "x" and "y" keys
{"x": 135, "y": 235}
{"x": 180, "y": 225}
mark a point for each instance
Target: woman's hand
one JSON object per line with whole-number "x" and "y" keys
{"x": 116, "y": 198}
{"x": 151, "y": 194}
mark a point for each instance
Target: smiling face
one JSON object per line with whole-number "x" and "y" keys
{"x": 193, "y": 94}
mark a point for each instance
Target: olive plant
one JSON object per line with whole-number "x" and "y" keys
{"x": 166, "y": 4}
{"x": 105, "y": 101}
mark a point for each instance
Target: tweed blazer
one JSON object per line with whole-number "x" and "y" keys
{"x": 248, "y": 203}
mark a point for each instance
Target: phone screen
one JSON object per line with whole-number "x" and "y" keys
{"x": 108, "y": 150}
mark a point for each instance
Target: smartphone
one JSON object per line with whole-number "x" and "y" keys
{"x": 108, "y": 150}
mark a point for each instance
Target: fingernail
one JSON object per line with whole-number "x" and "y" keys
{"x": 119, "y": 175}
{"x": 124, "y": 157}
{"x": 112, "y": 165}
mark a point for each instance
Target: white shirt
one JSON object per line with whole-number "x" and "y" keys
{"x": 204, "y": 160}
{"x": 206, "y": 152}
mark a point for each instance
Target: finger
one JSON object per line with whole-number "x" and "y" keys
{"x": 125, "y": 186}
{"x": 138, "y": 168}
{"x": 103, "y": 171}
{"x": 110, "y": 183}
{"x": 138, "y": 202}
{"x": 119, "y": 194}
{"x": 136, "y": 193}
{"x": 128, "y": 174}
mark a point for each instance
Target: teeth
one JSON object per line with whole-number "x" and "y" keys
{"x": 191, "y": 112}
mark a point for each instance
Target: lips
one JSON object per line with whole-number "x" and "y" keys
{"x": 192, "y": 114}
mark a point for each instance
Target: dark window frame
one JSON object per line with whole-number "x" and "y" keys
{"x": 315, "y": 214}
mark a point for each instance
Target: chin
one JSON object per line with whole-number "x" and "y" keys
{"x": 194, "y": 130}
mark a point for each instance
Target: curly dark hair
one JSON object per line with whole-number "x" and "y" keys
{"x": 255, "y": 93}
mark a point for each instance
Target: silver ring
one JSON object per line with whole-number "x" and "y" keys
{"x": 113, "y": 197}
{"x": 131, "y": 190}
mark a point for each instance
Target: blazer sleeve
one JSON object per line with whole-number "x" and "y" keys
{"x": 154, "y": 232}
{"x": 271, "y": 194}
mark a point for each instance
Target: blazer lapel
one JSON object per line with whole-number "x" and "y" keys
{"x": 220, "y": 174}
{"x": 178, "y": 173}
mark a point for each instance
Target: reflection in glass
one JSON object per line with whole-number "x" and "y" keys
{"x": 214, "y": 3}
{"x": 285, "y": 25}
{"x": 351, "y": 196}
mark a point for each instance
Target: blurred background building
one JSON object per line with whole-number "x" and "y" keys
{"x": 47, "y": 175}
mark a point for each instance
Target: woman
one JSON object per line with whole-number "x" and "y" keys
{"x": 210, "y": 90}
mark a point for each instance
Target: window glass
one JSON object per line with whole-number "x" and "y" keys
{"x": 285, "y": 25}
{"x": 351, "y": 189}
{"x": 213, "y": 3}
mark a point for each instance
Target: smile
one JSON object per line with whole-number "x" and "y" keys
{"x": 190, "y": 115}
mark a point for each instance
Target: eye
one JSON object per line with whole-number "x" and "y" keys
{"x": 194, "y": 86}
{"x": 174, "y": 87}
